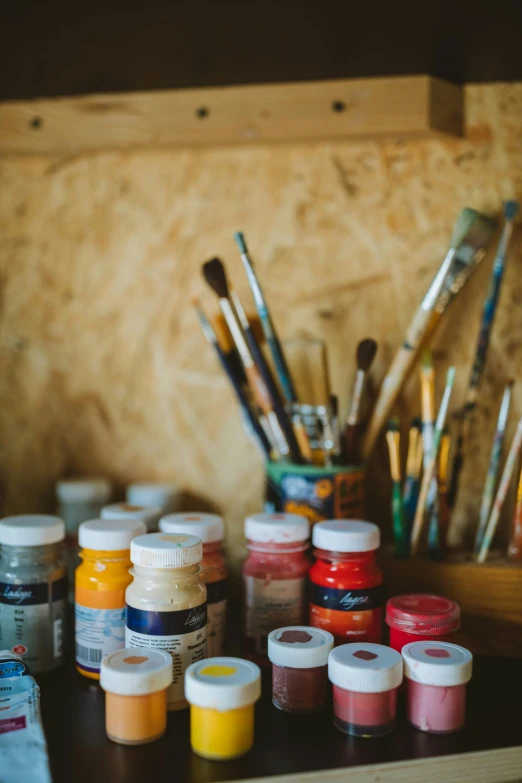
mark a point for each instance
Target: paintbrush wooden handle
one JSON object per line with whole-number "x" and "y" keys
{"x": 259, "y": 390}
{"x": 515, "y": 544}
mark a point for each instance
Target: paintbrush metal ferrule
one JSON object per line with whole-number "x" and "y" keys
{"x": 393, "y": 441}
{"x": 353, "y": 415}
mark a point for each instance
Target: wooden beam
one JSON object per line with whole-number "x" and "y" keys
{"x": 398, "y": 107}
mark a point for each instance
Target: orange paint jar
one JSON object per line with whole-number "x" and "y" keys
{"x": 100, "y": 584}
{"x": 135, "y": 684}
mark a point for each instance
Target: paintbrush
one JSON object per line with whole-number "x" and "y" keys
{"x": 494, "y": 463}
{"x": 214, "y": 274}
{"x": 336, "y": 430}
{"x": 505, "y": 481}
{"x": 439, "y": 511}
{"x": 413, "y": 471}
{"x": 429, "y": 470}
{"x": 488, "y": 316}
{"x": 250, "y": 422}
{"x": 515, "y": 542}
{"x": 273, "y": 391}
{"x": 274, "y": 344}
{"x": 366, "y": 351}
{"x": 400, "y": 532}
{"x": 471, "y": 235}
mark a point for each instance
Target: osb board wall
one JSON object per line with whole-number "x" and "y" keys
{"x": 103, "y": 367}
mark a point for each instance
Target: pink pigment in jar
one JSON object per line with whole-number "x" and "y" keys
{"x": 299, "y": 657}
{"x": 436, "y": 674}
{"x": 418, "y": 617}
{"x": 365, "y": 679}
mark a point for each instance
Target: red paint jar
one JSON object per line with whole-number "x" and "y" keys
{"x": 274, "y": 577}
{"x": 346, "y": 593}
{"x": 365, "y": 679}
{"x": 419, "y": 617}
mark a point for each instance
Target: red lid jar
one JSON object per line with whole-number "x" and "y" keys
{"x": 420, "y": 618}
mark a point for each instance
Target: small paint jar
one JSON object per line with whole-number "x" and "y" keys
{"x": 166, "y": 497}
{"x": 299, "y": 657}
{"x": 210, "y": 529}
{"x": 365, "y": 679}
{"x": 274, "y": 578}
{"x": 149, "y": 515}
{"x": 436, "y": 674}
{"x": 419, "y": 617}
{"x": 135, "y": 684}
{"x": 222, "y": 693}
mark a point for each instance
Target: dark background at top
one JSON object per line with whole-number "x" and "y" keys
{"x": 71, "y": 47}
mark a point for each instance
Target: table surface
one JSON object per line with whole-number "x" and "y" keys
{"x": 73, "y": 714}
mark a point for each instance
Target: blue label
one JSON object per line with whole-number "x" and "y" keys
{"x": 98, "y": 632}
{"x": 13, "y": 668}
{"x": 217, "y": 591}
{"x": 32, "y": 594}
{"x": 166, "y": 623}
{"x": 346, "y": 600}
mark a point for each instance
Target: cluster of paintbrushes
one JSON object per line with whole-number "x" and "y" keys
{"x": 288, "y": 421}
{"x": 429, "y": 444}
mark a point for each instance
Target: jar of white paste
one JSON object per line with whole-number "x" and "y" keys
{"x": 167, "y": 603}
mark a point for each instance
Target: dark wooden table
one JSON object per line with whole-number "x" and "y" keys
{"x": 73, "y": 713}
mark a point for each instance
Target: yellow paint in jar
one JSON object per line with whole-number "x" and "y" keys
{"x": 222, "y": 693}
{"x": 100, "y": 584}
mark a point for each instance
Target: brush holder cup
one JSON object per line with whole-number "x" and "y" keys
{"x": 316, "y": 492}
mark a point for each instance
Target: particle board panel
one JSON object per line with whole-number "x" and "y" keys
{"x": 103, "y": 367}
{"x": 406, "y": 107}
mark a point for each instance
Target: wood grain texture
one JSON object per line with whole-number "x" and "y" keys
{"x": 403, "y": 106}
{"x": 102, "y": 362}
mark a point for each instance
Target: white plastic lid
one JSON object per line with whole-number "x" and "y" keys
{"x": 162, "y": 496}
{"x": 31, "y": 530}
{"x": 437, "y": 663}
{"x": 346, "y": 535}
{"x": 299, "y": 647}
{"x": 147, "y": 514}
{"x": 135, "y": 671}
{"x": 208, "y": 527}
{"x": 166, "y": 550}
{"x": 277, "y": 528}
{"x": 365, "y": 668}
{"x": 109, "y": 534}
{"x": 83, "y": 490}
{"x": 222, "y": 683}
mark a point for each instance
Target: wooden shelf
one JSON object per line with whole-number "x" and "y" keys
{"x": 396, "y": 107}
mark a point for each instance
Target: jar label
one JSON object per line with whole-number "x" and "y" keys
{"x": 270, "y": 605}
{"x": 97, "y": 633}
{"x": 217, "y": 617}
{"x": 347, "y": 600}
{"x": 32, "y": 621}
{"x": 183, "y": 634}
{"x": 350, "y": 615}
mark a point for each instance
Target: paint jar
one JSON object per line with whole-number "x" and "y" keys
{"x": 419, "y": 617}
{"x": 166, "y": 497}
{"x": 167, "y": 603}
{"x": 135, "y": 685}
{"x": 149, "y": 515}
{"x": 210, "y": 528}
{"x": 365, "y": 679}
{"x": 299, "y": 657}
{"x": 33, "y": 589}
{"x": 222, "y": 693}
{"x": 346, "y": 593}
{"x": 274, "y": 576}
{"x": 436, "y": 674}
{"x": 100, "y": 584}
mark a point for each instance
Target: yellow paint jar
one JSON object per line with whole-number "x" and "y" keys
{"x": 222, "y": 693}
{"x": 135, "y": 684}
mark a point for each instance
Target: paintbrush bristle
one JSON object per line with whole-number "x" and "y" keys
{"x": 393, "y": 424}
{"x": 416, "y": 423}
{"x": 240, "y": 241}
{"x": 214, "y": 274}
{"x": 511, "y": 209}
{"x": 366, "y": 351}
{"x": 473, "y": 228}
{"x": 426, "y": 360}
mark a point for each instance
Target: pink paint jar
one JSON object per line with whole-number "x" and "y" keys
{"x": 299, "y": 657}
{"x": 274, "y": 578}
{"x": 365, "y": 679}
{"x": 436, "y": 674}
{"x": 419, "y": 618}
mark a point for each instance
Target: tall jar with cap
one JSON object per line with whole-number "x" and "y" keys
{"x": 210, "y": 528}
{"x": 274, "y": 576}
{"x": 346, "y": 590}
{"x": 33, "y": 589}
{"x": 166, "y": 497}
{"x": 100, "y": 584}
{"x": 149, "y": 515}
{"x": 167, "y": 603}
